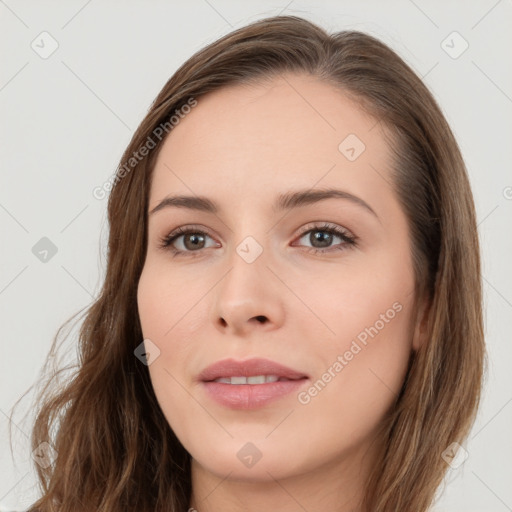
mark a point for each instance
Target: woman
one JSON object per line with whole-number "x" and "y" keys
{"x": 322, "y": 349}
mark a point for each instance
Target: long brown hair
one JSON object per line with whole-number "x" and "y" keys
{"x": 115, "y": 449}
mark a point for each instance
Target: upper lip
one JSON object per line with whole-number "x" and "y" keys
{"x": 248, "y": 368}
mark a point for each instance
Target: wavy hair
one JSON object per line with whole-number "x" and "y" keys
{"x": 116, "y": 450}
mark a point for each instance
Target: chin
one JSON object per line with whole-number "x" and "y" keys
{"x": 241, "y": 459}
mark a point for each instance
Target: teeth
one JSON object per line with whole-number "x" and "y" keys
{"x": 257, "y": 379}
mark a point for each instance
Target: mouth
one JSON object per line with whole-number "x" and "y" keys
{"x": 253, "y": 379}
{"x": 250, "y": 371}
{"x": 249, "y": 384}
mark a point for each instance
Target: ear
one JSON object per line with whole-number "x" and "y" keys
{"x": 421, "y": 324}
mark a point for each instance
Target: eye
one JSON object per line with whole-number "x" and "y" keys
{"x": 322, "y": 238}
{"x": 193, "y": 240}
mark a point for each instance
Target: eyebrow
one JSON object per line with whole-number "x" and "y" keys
{"x": 287, "y": 201}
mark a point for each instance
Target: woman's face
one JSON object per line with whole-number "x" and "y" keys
{"x": 260, "y": 275}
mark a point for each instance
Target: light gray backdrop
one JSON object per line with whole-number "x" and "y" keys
{"x": 76, "y": 79}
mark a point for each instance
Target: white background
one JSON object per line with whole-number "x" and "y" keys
{"x": 66, "y": 120}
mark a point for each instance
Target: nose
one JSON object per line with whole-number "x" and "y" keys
{"x": 249, "y": 297}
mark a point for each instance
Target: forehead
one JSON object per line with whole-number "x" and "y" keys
{"x": 291, "y": 132}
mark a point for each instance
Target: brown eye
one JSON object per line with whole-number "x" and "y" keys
{"x": 185, "y": 240}
{"x": 193, "y": 241}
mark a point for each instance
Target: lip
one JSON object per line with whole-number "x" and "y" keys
{"x": 248, "y": 368}
{"x": 249, "y": 396}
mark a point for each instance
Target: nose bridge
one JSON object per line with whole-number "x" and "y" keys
{"x": 250, "y": 247}
{"x": 246, "y": 293}
{"x": 247, "y": 263}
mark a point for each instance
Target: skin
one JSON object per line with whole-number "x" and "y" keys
{"x": 241, "y": 147}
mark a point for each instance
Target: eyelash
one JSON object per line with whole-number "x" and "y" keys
{"x": 350, "y": 240}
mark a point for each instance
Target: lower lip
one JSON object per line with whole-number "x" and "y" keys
{"x": 251, "y": 396}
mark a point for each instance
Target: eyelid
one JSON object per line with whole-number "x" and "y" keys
{"x": 321, "y": 224}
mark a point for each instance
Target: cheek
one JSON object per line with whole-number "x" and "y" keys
{"x": 363, "y": 369}
{"x": 356, "y": 387}
{"x": 364, "y": 359}
{"x": 162, "y": 314}
{"x": 171, "y": 315}
{"x": 357, "y": 301}
{"x": 163, "y": 300}
{"x": 150, "y": 292}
